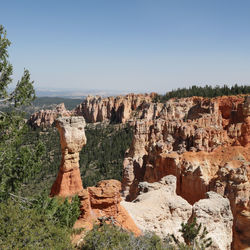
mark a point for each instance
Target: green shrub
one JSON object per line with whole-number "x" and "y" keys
{"x": 110, "y": 237}
{"x": 60, "y": 211}
{"x": 26, "y": 228}
{"x": 194, "y": 239}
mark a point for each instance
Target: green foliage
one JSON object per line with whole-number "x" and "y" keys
{"x": 103, "y": 154}
{"x": 62, "y": 212}
{"x": 26, "y": 228}
{"x": 207, "y": 91}
{"x": 110, "y": 237}
{"x": 24, "y": 92}
{"x": 38, "y": 223}
{"x": 101, "y": 158}
{"x": 18, "y": 160}
{"x": 192, "y": 236}
{"x": 46, "y": 172}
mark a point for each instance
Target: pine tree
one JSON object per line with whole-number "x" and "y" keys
{"x": 17, "y": 160}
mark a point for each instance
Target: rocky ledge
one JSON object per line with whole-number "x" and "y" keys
{"x": 159, "y": 209}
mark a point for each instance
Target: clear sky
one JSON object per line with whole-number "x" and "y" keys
{"x": 131, "y": 45}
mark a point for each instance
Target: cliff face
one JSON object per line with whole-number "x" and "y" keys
{"x": 115, "y": 109}
{"x": 205, "y": 144}
{"x": 46, "y": 118}
{"x": 158, "y": 208}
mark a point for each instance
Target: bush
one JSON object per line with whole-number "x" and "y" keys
{"x": 27, "y": 228}
{"x": 194, "y": 239}
{"x": 59, "y": 211}
{"x": 110, "y": 237}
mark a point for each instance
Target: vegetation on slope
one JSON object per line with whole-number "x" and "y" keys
{"x": 207, "y": 91}
{"x": 40, "y": 223}
{"x": 101, "y": 158}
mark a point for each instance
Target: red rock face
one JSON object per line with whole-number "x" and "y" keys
{"x": 118, "y": 109}
{"x": 104, "y": 201}
{"x": 199, "y": 141}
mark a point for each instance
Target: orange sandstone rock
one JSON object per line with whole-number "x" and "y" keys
{"x": 103, "y": 201}
{"x": 72, "y": 138}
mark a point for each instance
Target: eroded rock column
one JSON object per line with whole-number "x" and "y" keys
{"x": 72, "y": 139}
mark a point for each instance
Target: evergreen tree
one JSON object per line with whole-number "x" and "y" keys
{"x": 18, "y": 161}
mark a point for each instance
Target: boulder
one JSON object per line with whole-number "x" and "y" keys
{"x": 215, "y": 214}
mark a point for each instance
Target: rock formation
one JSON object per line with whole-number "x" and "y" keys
{"x": 157, "y": 208}
{"x": 215, "y": 214}
{"x": 119, "y": 109}
{"x": 46, "y": 118}
{"x": 115, "y": 109}
{"x": 103, "y": 202}
{"x": 72, "y": 139}
{"x": 100, "y": 201}
{"x": 205, "y": 144}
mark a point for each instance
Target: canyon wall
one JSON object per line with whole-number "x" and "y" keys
{"x": 117, "y": 109}
{"x": 205, "y": 144}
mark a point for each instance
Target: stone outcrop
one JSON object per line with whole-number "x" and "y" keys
{"x": 157, "y": 208}
{"x": 103, "y": 201}
{"x": 46, "y": 118}
{"x": 72, "y": 139}
{"x": 233, "y": 181}
{"x": 215, "y": 214}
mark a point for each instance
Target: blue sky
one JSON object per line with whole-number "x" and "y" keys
{"x": 129, "y": 45}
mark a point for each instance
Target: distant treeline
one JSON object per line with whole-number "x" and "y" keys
{"x": 207, "y": 91}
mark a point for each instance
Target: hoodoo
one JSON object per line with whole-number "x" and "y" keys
{"x": 100, "y": 201}
{"x": 72, "y": 138}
